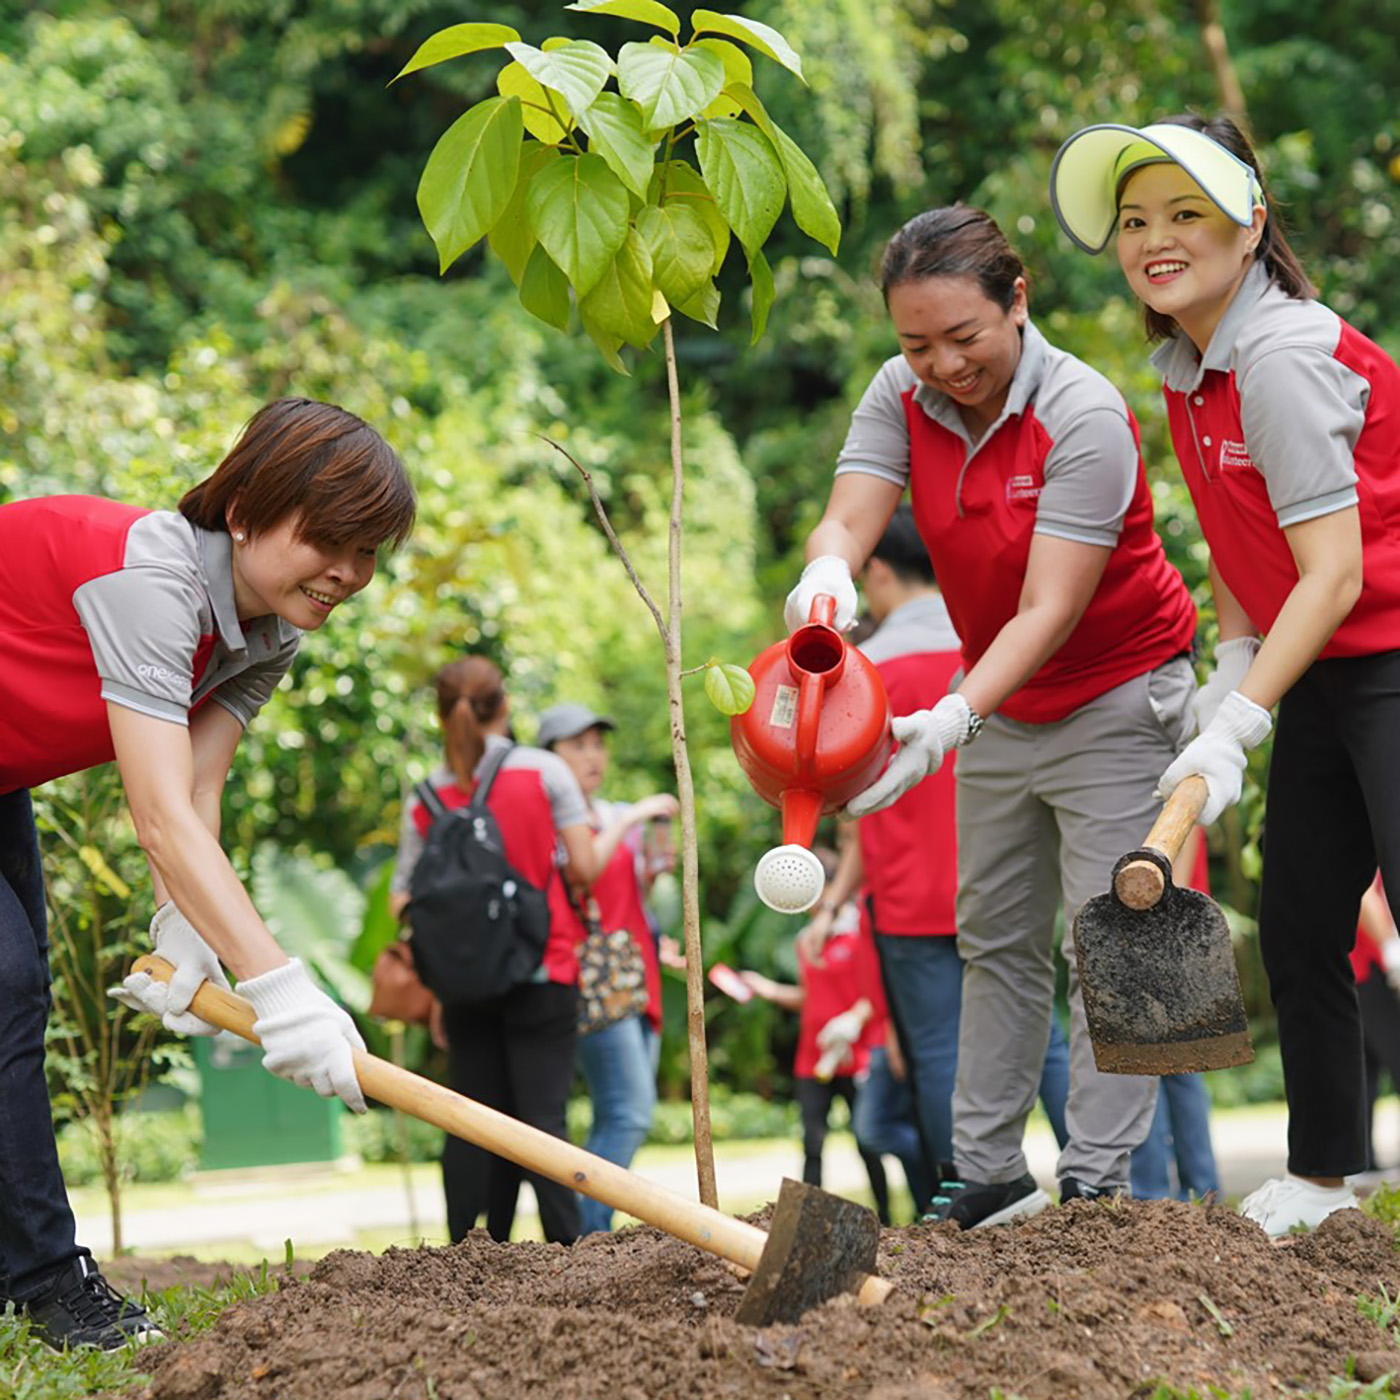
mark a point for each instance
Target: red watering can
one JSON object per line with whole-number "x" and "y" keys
{"x": 817, "y": 733}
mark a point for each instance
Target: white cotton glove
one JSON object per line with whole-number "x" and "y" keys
{"x": 828, "y": 573}
{"x": 1218, "y": 755}
{"x": 843, "y": 1029}
{"x": 175, "y": 939}
{"x": 924, "y": 738}
{"x": 1232, "y": 660}
{"x": 1390, "y": 961}
{"x": 305, "y": 1036}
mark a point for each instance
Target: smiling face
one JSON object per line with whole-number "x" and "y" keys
{"x": 587, "y": 755}
{"x": 277, "y": 572}
{"x": 960, "y": 342}
{"x": 1182, "y": 255}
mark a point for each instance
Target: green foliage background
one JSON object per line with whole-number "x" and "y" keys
{"x": 207, "y": 203}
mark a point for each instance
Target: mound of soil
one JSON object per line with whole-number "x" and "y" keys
{"x": 1090, "y": 1300}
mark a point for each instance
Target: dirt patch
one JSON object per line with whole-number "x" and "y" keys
{"x": 1089, "y": 1300}
{"x": 130, "y": 1274}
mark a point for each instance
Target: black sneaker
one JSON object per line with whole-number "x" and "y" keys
{"x": 1072, "y": 1189}
{"x": 80, "y": 1308}
{"x": 972, "y": 1204}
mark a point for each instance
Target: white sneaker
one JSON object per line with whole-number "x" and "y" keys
{"x": 1279, "y": 1206}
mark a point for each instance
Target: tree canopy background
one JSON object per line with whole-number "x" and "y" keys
{"x": 208, "y": 203}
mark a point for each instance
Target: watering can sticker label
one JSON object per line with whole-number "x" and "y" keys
{"x": 784, "y": 710}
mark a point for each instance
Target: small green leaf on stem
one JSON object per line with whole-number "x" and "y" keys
{"x": 578, "y": 209}
{"x": 537, "y": 110}
{"x": 544, "y": 290}
{"x": 682, "y": 248}
{"x": 615, "y": 132}
{"x": 644, "y": 11}
{"x": 749, "y": 31}
{"x": 742, "y": 171}
{"x": 730, "y": 688}
{"x": 454, "y": 41}
{"x": 575, "y": 69}
{"x": 668, "y": 84}
{"x": 764, "y": 292}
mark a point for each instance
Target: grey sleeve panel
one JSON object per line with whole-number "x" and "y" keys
{"x": 878, "y": 440}
{"x": 144, "y": 625}
{"x": 566, "y": 799}
{"x": 1091, "y": 471}
{"x": 246, "y": 693}
{"x": 1301, "y": 409}
{"x": 410, "y": 847}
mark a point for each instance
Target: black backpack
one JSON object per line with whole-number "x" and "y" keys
{"x": 479, "y": 928}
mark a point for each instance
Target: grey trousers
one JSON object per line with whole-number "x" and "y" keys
{"x": 1044, "y": 811}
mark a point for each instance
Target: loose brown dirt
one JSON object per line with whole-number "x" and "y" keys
{"x": 1088, "y": 1300}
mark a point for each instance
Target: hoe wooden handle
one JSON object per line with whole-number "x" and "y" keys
{"x": 1140, "y": 884}
{"x": 537, "y": 1151}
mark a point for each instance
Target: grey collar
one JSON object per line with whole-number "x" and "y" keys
{"x": 216, "y": 555}
{"x": 1181, "y": 368}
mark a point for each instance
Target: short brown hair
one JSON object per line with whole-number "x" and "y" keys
{"x": 300, "y": 455}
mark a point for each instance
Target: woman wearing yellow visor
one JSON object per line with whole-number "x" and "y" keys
{"x": 1286, "y": 422}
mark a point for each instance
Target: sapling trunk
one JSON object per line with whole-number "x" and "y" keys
{"x": 690, "y": 873}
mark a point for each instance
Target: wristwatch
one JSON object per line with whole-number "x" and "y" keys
{"x": 974, "y": 725}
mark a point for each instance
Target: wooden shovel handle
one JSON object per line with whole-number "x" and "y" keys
{"x": 1140, "y": 884}
{"x": 537, "y": 1151}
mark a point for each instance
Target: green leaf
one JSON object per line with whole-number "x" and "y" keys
{"x": 621, "y": 302}
{"x": 738, "y": 69}
{"x": 670, "y": 86}
{"x": 510, "y": 238}
{"x": 681, "y": 246}
{"x": 703, "y": 306}
{"x": 606, "y": 342}
{"x": 576, "y": 70}
{"x": 470, "y": 176}
{"x": 535, "y": 105}
{"x": 811, "y": 204}
{"x": 684, "y": 186}
{"x": 544, "y": 290}
{"x": 645, "y": 11}
{"x": 749, "y": 31}
{"x": 578, "y": 209}
{"x": 744, "y": 174}
{"x": 730, "y": 688}
{"x": 615, "y": 132}
{"x": 764, "y": 292}
{"x": 454, "y": 41}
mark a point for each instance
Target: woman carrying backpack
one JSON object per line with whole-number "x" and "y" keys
{"x": 153, "y": 637}
{"x": 513, "y": 1051}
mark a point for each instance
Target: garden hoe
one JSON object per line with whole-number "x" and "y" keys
{"x": 818, "y": 1246}
{"x": 1156, "y": 967}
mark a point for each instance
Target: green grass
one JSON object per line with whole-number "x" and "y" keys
{"x": 31, "y": 1370}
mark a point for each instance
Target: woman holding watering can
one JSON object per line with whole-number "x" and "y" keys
{"x": 1029, "y": 492}
{"x": 1286, "y": 422}
{"x": 154, "y": 637}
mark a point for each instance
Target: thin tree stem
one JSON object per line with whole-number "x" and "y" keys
{"x": 690, "y": 870}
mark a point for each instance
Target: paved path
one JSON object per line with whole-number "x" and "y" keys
{"x": 249, "y": 1214}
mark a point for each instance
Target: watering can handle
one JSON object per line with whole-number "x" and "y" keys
{"x": 823, "y": 610}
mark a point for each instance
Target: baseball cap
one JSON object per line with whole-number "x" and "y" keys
{"x": 568, "y": 721}
{"x": 1090, "y": 166}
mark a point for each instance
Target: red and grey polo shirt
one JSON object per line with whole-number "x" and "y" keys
{"x": 535, "y": 796}
{"x": 618, "y": 891}
{"x": 1290, "y": 415}
{"x": 1062, "y": 460}
{"x": 101, "y": 602}
{"x": 910, "y": 849}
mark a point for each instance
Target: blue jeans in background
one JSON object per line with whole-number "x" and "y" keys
{"x": 884, "y": 1125}
{"x": 619, "y": 1067}
{"x": 1054, "y": 1081}
{"x": 36, "y": 1223}
{"x": 1181, "y": 1130}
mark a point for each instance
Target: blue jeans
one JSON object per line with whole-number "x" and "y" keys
{"x": 619, "y": 1067}
{"x": 36, "y": 1223}
{"x": 1180, "y": 1129}
{"x": 883, "y": 1123}
{"x": 1054, "y": 1081}
{"x": 923, "y": 985}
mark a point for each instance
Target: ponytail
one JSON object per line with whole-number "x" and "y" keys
{"x": 471, "y": 694}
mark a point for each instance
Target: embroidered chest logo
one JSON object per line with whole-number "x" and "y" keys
{"x": 1234, "y": 456}
{"x": 1023, "y": 487}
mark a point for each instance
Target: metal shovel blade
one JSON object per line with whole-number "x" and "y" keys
{"x": 1161, "y": 990}
{"x": 819, "y": 1245}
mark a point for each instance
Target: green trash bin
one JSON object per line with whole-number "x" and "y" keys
{"x": 254, "y": 1119}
